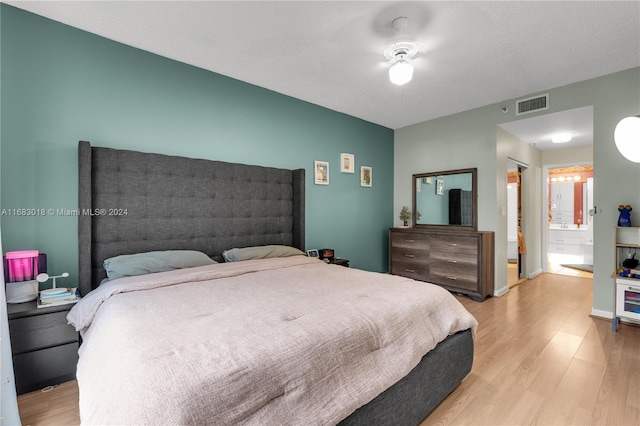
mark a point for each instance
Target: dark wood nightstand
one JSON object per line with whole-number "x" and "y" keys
{"x": 44, "y": 346}
{"x": 339, "y": 261}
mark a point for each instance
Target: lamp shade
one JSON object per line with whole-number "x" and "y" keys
{"x": 627, "y": 138}
{"x": 401, "y": 72}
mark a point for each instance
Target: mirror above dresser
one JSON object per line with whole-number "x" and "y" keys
{"x": 446, "y": 199}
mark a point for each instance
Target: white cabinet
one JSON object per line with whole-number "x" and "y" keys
{"x": 574, "y": 242}
{"x": 627, "y": 289}
{"x": 562, "y": 202}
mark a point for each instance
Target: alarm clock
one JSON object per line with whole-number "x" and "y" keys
{"x": 326, "y": 253}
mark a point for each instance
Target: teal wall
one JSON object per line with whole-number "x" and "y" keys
{"x": 61, "y": 85}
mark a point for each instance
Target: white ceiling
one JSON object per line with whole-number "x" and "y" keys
{"x": 538, "y": 131}
{"x": 330, "y": 53}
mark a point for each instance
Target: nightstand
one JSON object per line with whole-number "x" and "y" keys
{"x": 43, "y": 345}
{"x": 339, "y": 261}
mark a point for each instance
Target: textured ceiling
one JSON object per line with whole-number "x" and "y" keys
{"x": 330, "y": 53}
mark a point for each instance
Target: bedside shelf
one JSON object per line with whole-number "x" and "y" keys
{"x": 626, "y": 289}
{"x": 43, "y": 345}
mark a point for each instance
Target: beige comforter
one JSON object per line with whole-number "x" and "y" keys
{"x": 285, "y": 341}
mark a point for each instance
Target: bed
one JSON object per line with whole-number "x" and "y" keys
{"x": 284, "y": 339}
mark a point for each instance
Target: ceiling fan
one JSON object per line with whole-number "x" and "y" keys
{"x": 401, "y": 52}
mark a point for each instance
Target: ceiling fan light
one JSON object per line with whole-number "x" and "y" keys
{"x": 401, "y": 72}
{"x": 627, "y": 138}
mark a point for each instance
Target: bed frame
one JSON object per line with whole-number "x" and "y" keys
{"x": 134, "y": 202}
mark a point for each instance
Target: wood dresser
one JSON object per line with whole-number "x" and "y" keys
{"x": 460, "y": 261}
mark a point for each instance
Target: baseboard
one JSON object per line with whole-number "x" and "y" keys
{"x": 501, "y": 291}
{"x": 535, "y": 273}
{"x": 601, "y": 314}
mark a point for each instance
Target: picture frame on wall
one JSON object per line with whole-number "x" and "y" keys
{"x": 366, "y": 176}
{"x": 347, "y": 163}
{"x": 439, "y": 186}
{"x": 321, "y": 172}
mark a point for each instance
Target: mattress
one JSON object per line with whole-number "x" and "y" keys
{"x": 270, "y": 341}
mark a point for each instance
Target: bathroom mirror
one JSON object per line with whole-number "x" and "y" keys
{"x": 446, "y": 199}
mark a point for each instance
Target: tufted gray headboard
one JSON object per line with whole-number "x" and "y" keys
{"x": 132, "y": 202}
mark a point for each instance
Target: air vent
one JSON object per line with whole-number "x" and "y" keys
{"x": 537, "y": 103}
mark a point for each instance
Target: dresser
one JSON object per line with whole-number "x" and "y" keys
{"x": 460, "y": 261}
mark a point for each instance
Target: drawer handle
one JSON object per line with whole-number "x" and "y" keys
{"x": 409, "y": 270}
{"x": 452, "y": 278}
{"x": 453, "y": 245}
{"x": 409, "y": 255}
{"x": 452, "y": 261}
{"x": 410, "y": 241}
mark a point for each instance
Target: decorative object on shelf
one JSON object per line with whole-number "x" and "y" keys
{"x": 20, "y": 270}
{"x": 625, "y": 215}
{"x": 44, "y": 277}
{"x": 56, "y": 296}
{"x": 631, "y": 262}
{"x": 321, "y": 172}
{"x": 405, "y": 215}
{"x": 347, "y": 163}
{"x": 326, "y": 254}
{"x": 627, "y": 138}
{"x": 65, "y": 296}
{"x": 366, "y": 176}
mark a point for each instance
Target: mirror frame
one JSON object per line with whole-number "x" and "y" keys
{"x": 474, "y": 198}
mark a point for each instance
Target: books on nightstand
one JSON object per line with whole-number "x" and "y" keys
{"x": 61, "y": 296}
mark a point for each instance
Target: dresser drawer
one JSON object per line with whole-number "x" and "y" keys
{"x": 462, "y": 278}
{"x": 40, "y": 331}
{"x": 453, "y": 259}
{"x": 410, "y": 270}
{"x": 410, "y": 240}
{"x": 410, "y": 255}
{"x": 458, "y": 245}
{"x": 38, "y": 369}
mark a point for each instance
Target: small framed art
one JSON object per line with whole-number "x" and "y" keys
{"x": 366, "y": 176}
{"x": 439, "y": 186}
{"x": 321, "y": 172}
{"x": 347, "y": 163}
{"x": 313, "y": 253}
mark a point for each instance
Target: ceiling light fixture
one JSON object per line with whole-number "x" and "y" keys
{"x": 627, "y": 138}
{"x": 401, "y": 72}
{"x": 400, "y": 54}
{"x": 561, "y": 138}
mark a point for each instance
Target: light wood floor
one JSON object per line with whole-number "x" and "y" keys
{"x": 540, "y": 359}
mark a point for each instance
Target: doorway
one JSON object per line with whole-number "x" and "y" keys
{"x": 515, "y": 241}
{"x": 569, "y": 248}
